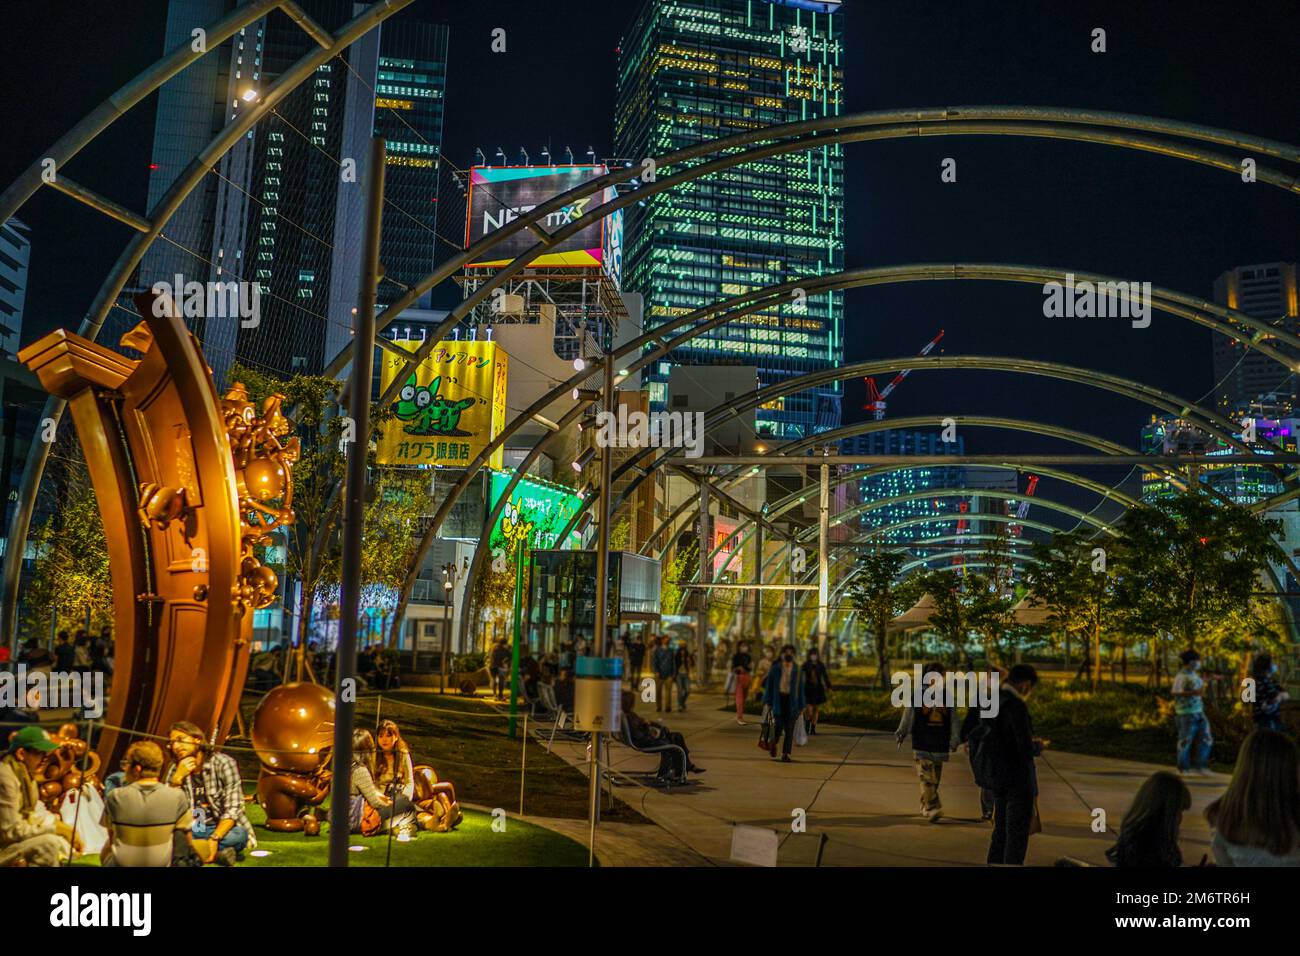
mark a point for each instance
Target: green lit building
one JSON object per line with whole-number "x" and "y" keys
{"x": 696, "y": 70}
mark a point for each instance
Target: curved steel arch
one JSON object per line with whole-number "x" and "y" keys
{"x": 920, "y": 562}
{"x": 1016, "y": 120}
{"x": 860, "y": 428}
{"x": 1209, "y": 420}
{"x": 135, "y": 249}
{"x": 775, "y": 294}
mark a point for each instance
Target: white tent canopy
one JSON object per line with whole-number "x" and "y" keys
{"x": 1029, "y": 614}
{"x": 918, "y": 615}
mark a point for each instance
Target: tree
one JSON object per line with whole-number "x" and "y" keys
{"x": 880, "y": 594}
{"x": 988, "y": 610}
{"x": 950, "y": 615}
{"x": 70, "y": 575}
{"x": 1070, "y": 577}
{"x": 1189, "y": 564}
{"x": 401, "y": 501}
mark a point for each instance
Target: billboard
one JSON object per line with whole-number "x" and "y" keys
{"x": 501, "y": 194}
{"x": 448, "y": 411}
{"x": 537, "y": 512}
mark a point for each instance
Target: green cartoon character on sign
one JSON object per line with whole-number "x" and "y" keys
{"x": 423, "y": 412}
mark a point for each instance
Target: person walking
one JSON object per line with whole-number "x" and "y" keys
{"x": 783, "y": 691}
{"x": 935, "y": 734}
{"x": 683, "y": 661}
{"x": 1013, "y": 747}
{"x": 817, "y": 688}
{"x": 741, "y": 666}
{"x": 662, "y": 664}
{"x": 1194, "y": 739}
{"x": 1266, "y": 710}
{"x": 499, "y": 662}
{"x": 636, "y": 659}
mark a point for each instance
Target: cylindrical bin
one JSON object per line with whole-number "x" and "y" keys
{"x": 597, "y": 698}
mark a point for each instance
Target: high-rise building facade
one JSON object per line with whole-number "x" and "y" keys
{"x": 1265, "y": 291}
{"x": 15, "y": 259}
{"x": 285, "y": 206}
{"x": 697, "y": 70}
{"x": 906, "y": 481}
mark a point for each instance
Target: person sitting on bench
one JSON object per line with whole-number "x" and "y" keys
{"x": 673, "y": 764}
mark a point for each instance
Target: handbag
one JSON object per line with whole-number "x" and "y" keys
{"x": 767, "y": 732}
{"x": 800, "y": 732}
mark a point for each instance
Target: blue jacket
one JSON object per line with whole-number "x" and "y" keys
{"x": 772, "y": 686}
{"x": 663, "y": 663}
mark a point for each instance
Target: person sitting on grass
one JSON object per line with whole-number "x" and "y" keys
{"x": 1148, "y": 835}
{"x": 30, "y": 835}
{"x": 395, "y": 812}
{"x": 673, "y": 764}
{"x": 221, "y": 831}
{"x": 1257, "y": 821}
{"x": 146, "y": 819}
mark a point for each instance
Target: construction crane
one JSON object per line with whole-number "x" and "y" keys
{"x": 876, "y": 397}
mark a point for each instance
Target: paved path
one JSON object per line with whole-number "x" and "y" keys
{"x": 861, "y": 791}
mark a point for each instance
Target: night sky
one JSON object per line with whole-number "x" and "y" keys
{"x": 1090, "y": 208}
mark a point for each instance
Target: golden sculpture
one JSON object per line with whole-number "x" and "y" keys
{"x": 188, "y": 484}
{"x": 293, "y": 734}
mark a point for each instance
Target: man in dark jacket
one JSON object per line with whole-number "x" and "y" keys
{"x": 1015, "y": 782}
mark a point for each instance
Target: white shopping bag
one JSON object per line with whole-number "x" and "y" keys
{"x": 86, "y": 822}
{"x": 800, "y": 732}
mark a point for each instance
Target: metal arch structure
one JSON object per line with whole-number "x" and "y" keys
{"x": 150, "y": 228}
{"x": 1164, "y": 300}
{"x": 799, "y": 496}
{"x": 866, "y": 427}
{"x": 1081, "y": 125}
{"x": 1210, "y": 421}
{"x": 1048, "y": 503}
{"x": 1114, "y": 129}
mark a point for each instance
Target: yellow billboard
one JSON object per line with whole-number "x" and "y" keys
{"x": 448, "y": 411}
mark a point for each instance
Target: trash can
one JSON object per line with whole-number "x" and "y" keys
{"x": 597, "y": 696}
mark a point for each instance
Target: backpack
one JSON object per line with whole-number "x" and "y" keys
{"x": 985, "y": 754}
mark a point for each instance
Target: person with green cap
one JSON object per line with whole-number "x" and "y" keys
{"x": 30, "y": 835}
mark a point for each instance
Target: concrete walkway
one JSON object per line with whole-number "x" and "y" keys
{"x": 859, "y": 790}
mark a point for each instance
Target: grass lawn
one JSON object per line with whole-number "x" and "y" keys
{"x": 473, "y": 843}
{"x": 466, "y": 741}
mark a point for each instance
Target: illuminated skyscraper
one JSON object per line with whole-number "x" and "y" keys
{"x": 1266, "y": 291}
{"x": 696, "y": 70}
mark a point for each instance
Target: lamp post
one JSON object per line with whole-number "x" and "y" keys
{"x": 448, "y": 585}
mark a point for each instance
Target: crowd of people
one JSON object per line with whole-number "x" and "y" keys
{"x": 183, "y": 804}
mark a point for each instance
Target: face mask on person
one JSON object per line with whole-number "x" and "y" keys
{"x": 788, "y": 657}
{"x": 1194, "y": 666}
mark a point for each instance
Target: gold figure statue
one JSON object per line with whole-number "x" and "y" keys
{"x": 188, "y": 484}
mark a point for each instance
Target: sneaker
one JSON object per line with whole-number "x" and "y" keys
{"x": 934, "y": 816}
{"x": 785, "y": 758}
{"x": 742, "y": 723}
{"x": 695, "y": 769}
{"x": 226, "y": 857}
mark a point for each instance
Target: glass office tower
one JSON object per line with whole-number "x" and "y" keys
{"x": 696, "y": 70}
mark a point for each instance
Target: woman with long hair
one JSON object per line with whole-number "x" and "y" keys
{"x": 817, "y": 687}
{"x": 1148, "y": 834}
{"x": 393, "y": 770}
{"x": 396, "y": 812}
{"x": 1257, "y": 821}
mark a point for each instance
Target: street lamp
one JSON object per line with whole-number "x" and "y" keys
{"x": 448, "y": 584}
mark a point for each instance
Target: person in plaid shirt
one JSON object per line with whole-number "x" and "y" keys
{"x": 221, "y": 830}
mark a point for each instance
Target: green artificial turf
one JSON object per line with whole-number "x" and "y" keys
{"x": 473, "y": 843}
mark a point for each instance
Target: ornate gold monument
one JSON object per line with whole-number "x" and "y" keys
{"x": 187, "y": 483}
